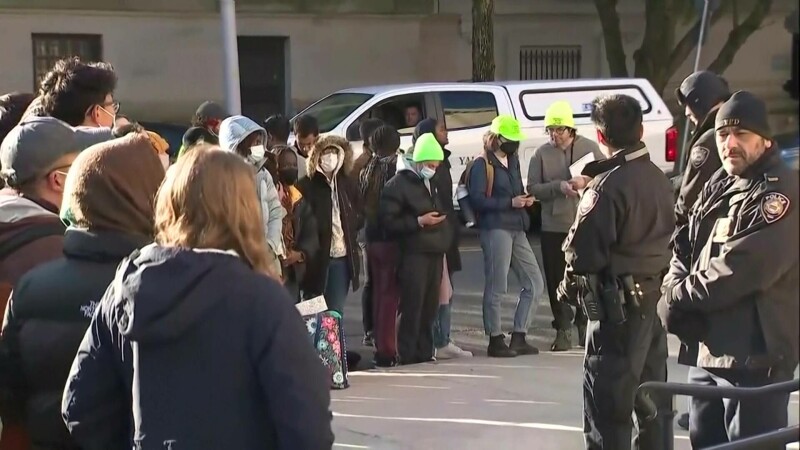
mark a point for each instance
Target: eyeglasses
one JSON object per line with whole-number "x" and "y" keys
{"x": 555, "y": 130}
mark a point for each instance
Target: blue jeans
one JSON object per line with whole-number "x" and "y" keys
{"x": 337, "y": 283}
{"x": 505, "y": 250}
{"x": 441, "y": 326}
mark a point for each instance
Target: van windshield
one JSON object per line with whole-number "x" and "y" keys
{"x": 331, "y": 110}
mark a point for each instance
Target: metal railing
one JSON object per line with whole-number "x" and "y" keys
{"x": 549, "y": 63}
{"x": 782, "y": 436}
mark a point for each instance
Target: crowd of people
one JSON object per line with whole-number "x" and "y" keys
{"x": 136, "y": 275}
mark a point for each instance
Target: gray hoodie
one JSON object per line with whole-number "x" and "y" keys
{"x": 549, "y": 166}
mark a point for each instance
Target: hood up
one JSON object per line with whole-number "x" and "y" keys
{"x": 235, "y": 129}
{"x": 160, "y": 293}
{"x": 325, "y": 142}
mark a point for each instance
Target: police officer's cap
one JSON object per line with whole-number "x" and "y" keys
{"x": 744, "y": 110}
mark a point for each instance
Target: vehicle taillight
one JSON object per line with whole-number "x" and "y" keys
{"x": 671, "y": 144}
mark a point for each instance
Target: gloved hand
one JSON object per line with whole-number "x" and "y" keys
{"x": 690, "y": 327}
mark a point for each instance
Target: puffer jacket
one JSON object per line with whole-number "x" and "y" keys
{"x": 232, "y": 131}
{"x": 496, "y": 212}
{"x": 406, "y": 197}
{"x": 47, "y": 317}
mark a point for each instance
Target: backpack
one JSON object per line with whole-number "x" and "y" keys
{"x": 464, "y": 178}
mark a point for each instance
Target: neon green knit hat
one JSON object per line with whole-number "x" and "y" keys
{"x": 559, "y": 114}
{"x": 508, "y": 127}
{"x": 427, "y": 148}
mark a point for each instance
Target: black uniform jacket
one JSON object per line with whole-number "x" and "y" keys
{"x": 739, "y": 269}
{"x": 625, "y": 219}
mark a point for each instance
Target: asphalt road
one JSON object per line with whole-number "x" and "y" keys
{"x": 475, "y": 403}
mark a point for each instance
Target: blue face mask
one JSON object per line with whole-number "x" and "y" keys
{"x": 427, "y": 173}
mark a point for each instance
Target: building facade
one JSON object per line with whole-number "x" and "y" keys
{"x": 292, "y": 52}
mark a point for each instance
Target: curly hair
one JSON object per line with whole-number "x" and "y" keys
{"x": 71, "y": 87}
{"x": 12, "y": 107}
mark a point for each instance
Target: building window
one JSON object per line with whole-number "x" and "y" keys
{"x": 559, "y": 62}
{"x": 49, "y": 48}
{"x": 467, "y": 109}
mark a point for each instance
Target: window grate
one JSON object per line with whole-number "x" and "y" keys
{"x": 549, "y": 63}
{"x": 49, "y": 48}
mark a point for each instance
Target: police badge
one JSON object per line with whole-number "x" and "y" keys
{"x": 698, "y": 156}
{"x": 588, "y": 200}
{"x": 773, "y": 206}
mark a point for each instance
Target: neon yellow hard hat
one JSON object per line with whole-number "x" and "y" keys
{"x": 508, "y": 127}
{"x": 559, "y": 114}
{"x": 427, "y": 148}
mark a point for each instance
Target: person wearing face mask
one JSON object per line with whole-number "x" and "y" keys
{"x": 445, "y": 348}
{"x": 413, "y": 214}
{"x": 300, "y": 238}
{"x": 548, "y": 180}
{"x": 503, "y": 222}
{"x": 332, "y": 195}
{"x": 246, "y": 138}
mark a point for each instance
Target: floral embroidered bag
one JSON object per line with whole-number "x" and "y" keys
{"x": 327, "y": 334}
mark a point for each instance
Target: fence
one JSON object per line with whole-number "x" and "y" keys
{"x": 549, "y": 63}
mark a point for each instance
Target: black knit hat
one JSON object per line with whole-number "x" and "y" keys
{"x": 385, "y": 140}
{"x": 744, "y": 110}
{"x": 701, "y": 91}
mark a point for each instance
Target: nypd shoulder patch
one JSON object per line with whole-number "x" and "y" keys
{"x": 588, "y": 200}
{"x": 774, "y": 206}
{"x": 698, "y": 156}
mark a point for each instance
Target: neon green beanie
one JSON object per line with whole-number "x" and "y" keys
{"x": 559, "y": 114}
{"x": 427, "y": 148}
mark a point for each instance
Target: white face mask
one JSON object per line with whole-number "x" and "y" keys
{"x": 329, "y": 162}
{"x": 258, "y": 152}
{"x": 427, "y": 172}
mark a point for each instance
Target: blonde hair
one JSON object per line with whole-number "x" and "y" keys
{"x": 209, "y": 200}
{"x": 491, "y": 142}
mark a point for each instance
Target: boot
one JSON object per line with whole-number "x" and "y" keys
{"x": 563, "y": 341}
{"x": 519, "y": 345}
{"x": 582, "y": 336}
{"x": 498, "y": 348}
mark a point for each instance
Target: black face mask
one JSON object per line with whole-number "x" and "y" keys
{"x": 509, "y": 148}
{"x": 288, "y": 176}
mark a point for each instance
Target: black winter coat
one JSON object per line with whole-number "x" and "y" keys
{"x": 444, "y": 183}
{"x": 404, "y": 198}
{"x": 317, "y": 192}
{"x": 50, "y": 311}
{"x": 191, "y": 349}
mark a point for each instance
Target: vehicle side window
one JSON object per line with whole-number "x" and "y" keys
{"x": 402, "y": 112}
{"x": 467, "y": 109}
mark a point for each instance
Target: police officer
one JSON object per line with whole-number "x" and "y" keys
{"x": 735, "y": 275}
{"x": 700, "y": 94}
{"x": 617, "y": 252}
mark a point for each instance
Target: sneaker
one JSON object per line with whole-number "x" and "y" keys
{"x": 382, "y": 361}
{"x": 498, "y": 348}
{"x": 369, "y": 340}
{"x": 452, "y": 351}
{"x": 563, "y": 341}
{"x": 519, "y": 345}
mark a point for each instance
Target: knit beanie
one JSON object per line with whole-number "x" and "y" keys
{"x": 423, "y": 127}
{"x": 744, "y": 110}
{"x": 112, "y": 186}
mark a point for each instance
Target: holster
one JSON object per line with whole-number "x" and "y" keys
{"x": 603, "y": 298}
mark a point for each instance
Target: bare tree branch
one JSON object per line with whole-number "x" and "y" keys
{"x": 739, "y": 35}
{"x": 612, "y": 37}
{"x": 689, "y": 41}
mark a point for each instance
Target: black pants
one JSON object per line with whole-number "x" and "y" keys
{"x": 554, "y": 264}
{"x": 618, "y": 359}
{"x": 366, "y": 300}
{"x": 420, "y": 276}
{"x": 718, "y": 421}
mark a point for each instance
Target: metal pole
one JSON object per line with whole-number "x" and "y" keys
{"x": 703, "y": 20}
{"x": 233, "y": 101}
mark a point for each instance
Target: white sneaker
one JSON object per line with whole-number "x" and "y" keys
{"x": 452, "y": 351}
